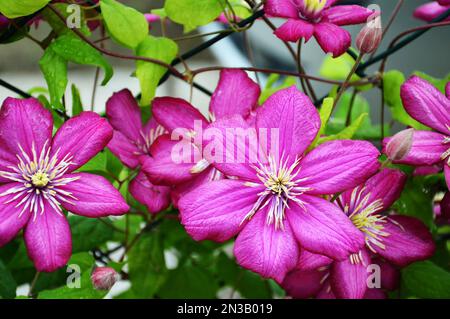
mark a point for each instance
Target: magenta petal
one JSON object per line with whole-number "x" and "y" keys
{"x": 217, "y": 210}
{"x": 156, "y": 198}
{"x": 447, "y": 174}
{"x": 23, "y": 123}
{"x": 348, "y": 279}
{"x": 124, "y": 114}
{"x": 346, "y": 15}
{"x": 444, "y": 2}
{"x": 167, "y": 166}
{"x": 294, "y": 29}
{"x": 95, "y": 196}
{"x": 338, "y": 165}
{"x": 311, "y": 261}
{"x": 291, "y": 115}
{"x": 10, "y": 222}
{"x": 235, "y": 94}
{"x": 303, "y": 284}
{"x": 281, "y": 8}
{"x": 375, "y": 293}
{"x": 332, "y": 38}
{"x": 445, "y": 207}
{"x": 409, "y": 240}
{"x": 323, "y": 228}
{"x": 429, "y": 11}
{"x": 389, "y": 274}
{"x": 82, "y": 137}
{"x": 426, "y": 149}
{"x": 126, "y": 151}
{"x": 270, "y": 252}
{"x": 174, "y": 113}
{"x": 426, "y": 104}
{"x": 447, "y": 90}
{"x": 48, "y": 240}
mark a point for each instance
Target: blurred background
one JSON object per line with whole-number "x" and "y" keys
{"x": 19, "y": 61}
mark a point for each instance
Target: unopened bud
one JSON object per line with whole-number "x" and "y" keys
{"x": 369, "y": 38}
{"x": 103, "y": 278}
{"x": 400, "y": 145}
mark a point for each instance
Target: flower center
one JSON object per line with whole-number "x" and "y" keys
{"x": 311, "y": 9}
{"x": 281, "y": 186}
{"x": 148, "y": 139}
{"x": 40, "y": 179}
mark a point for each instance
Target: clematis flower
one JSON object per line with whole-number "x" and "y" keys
{"x": 400, "y": 240}
{"x": 431, "y": 10}
{"x": 318, "y": 18}
{"x": 432, "y": 108}
{"x": 275, "y": 205}
{"x": 132, "y": 141}
{"x": 37, "y": 179}
{"x": 235, "y": 94}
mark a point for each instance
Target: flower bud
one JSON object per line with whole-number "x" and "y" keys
{"x": 103, "y": 278}
{"x": 369, "y": 38}
{"x": 400, "y": 145}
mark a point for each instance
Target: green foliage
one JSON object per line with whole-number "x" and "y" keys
{"x": 88, "y": 233}
{"x": 60, "y": 27}
{"x": 7, "y": 283}
{"x": 425, "y": 280}
{"x": 54, "y": 69}
{"x": 19, "y": 8}
{"x": 126, "y": 25}
{"x": 272, "y": 87}
{"x": 77, "y": 106}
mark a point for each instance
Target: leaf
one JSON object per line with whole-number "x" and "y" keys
{"x": 147, "y": 268}
{"x": 425, "y": 280}
{"x": 60, "y": 27}
{"x": 19, "y": 8}
{"x": 392, "y": 82}
{"x": 126, "y": 25}
{"x": 88, "y": 233}
{"x": 346, "y": 133}
{"x": 97, "y": 164}
{"x": 72, "y": 48}
{"x": 324, "y": 113}
{"x": 149, "y": 74}
{"x": 77, "y": 106}
{"x": 272, "y": 88}
{"x": 7, "y": 284}
{"x": 193, "y": 13}
{"x": 54, "y": 68}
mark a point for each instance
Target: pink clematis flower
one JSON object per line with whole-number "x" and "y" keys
{"x": 132, "y": 141}
{"x": 399, "y": 240}
{"x": 320, "y": 18}
{"x": 431, "y": 10}
{"x": 275, "y": 205}
{"x": 432, "y": 108}
{"x": 235, "y": 94}
{"x": 37, "y": 179}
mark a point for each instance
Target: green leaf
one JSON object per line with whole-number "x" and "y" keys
{"x": 149, "y": 74}
{"x": 98, "y": 164}
{"x": 272, "y": 88}
{"x": 77, "y": 106}
{"x": 325, "y": 112}
{"x": 88, "y": 233}
{"x": 54, "y": 68}
{"x": 193, "y": 13}
{"x": 147, "y": 268}
{"x": 126, "y": 25}
{"x": 60, "y": 27}
{"x": 7, "y": 284}
{"x": 19, "y": 8}
{"x": 346, "y": 133}
{"x": 392, "y": 82}
{"x": 72, "y": 48}
{"x": 425, "y": 280}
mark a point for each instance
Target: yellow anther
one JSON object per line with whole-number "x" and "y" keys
{"x": 40, "y": 179}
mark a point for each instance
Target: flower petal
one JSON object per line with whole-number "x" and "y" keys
{"x": 303, "y": 284}
{"x": 294, "y": 29}
{"x": 429, "y": 11}
{"x": 216, "y": 210}
{"x": 311, "y": 261}
{"x": 347, "y": 15}
{"x": 389, "y": 274}
{"x": 289, "y": 114}
{"x": 10, "y": 222}
{"x": 426, "y": 149}
{"x": 82, "y": 137}
{"x": 25, "y": 123}
{"x": 426, "y": 104}
{"x": 447, "y": 90}
{"x": 155, "y": 198}
{"x": 174, "y": 113}
{"x": 336, "y": 166}
{"x": 235, "y": 94}
{"x": 281, "y": 8}
{"x": 48, "y": 240}
{"x": 126, "y": 151}
{"x": 349, "y": 279}
{"x": 95, "y": 196}
{"x": 332, "y": 39}
{"x": 447, "y": 174}
{"x": 409, "y": 240}
{"x": 124, "y": 114}
{"x": 270, "y": 252}
{"x": 323, "y": 228}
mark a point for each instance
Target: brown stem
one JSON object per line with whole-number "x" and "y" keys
{"x": 346, "y": 83}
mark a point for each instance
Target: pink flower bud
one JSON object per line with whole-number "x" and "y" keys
{"x": 370, "y": 36}
{"x": 103, "y": 278}
{"x": 400, "y": 145}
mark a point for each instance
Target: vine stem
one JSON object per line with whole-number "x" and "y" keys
{"x": 347, "y": 80}
{"x": 33, "y": 284}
